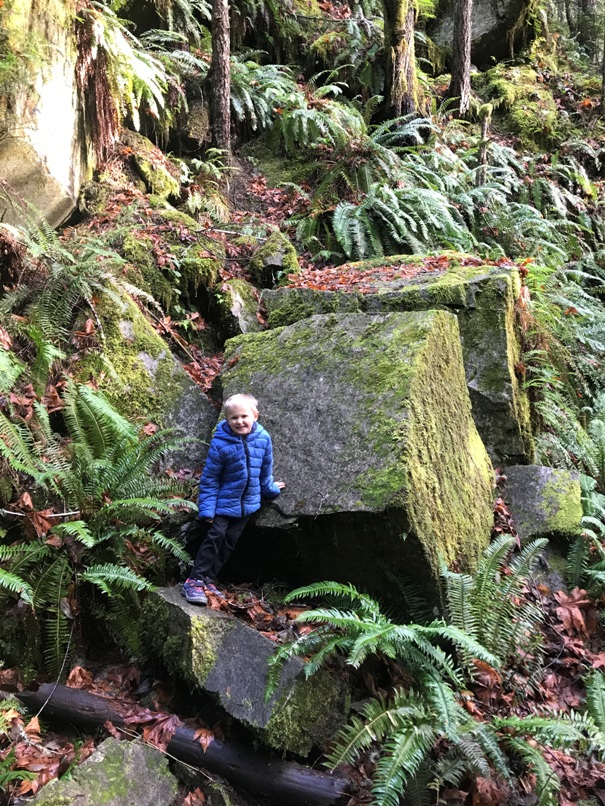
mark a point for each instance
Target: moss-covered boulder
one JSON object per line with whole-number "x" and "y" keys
{"x": 221, "y": 655}
{"x": 373, "y": 436}
{"x": 142, "y": 379}
{"x": 161, "y": 177}
{"x": 273, "y": 260}
{"x": 543, "y": 502}
{"x": 237, "y": 303}
{"x": 482, "y": 297}
{"x": 116, "y": 774}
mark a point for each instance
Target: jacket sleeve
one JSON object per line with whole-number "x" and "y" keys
{"x": 268, "y": 488}
{"x": 210, "y": 483}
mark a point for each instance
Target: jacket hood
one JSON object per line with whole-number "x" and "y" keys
{"x": 226, "y": 433}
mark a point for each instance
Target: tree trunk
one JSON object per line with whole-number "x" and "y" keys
{"x": 571, "y": 23}
{"x": 401, "y": 85}
{"x": 460, "y": 85}
{"x": 587, "y": 25}
{"x": 286, "y": 781}
{"x": 220, "y": 85}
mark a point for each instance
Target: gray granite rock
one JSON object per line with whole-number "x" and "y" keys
{"x": 373, "y": 436}
{"x": 492, "y": 23}
{"x": 224, "y": 657}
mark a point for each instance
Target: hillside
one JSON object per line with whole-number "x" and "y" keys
{"x": 385, "y": 222}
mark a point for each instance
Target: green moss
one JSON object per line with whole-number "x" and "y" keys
{"x": 144, "y": 380}
{"x": 158, "y": 179}
{"x": 143, "y": 271}
{"x": 277, "y": 168}
{"x": 207, "y": 635}
{"x": 450, "y": 510}
{"x": 532, "y": 112}
{"x": 561, "y": 506}
{"x": 187, "y": 644}
{"x": 276, "y": 255}
{"x": 237, "y": 303}
{"x": 289, "y": 305}
{"x": 305, "y": 715}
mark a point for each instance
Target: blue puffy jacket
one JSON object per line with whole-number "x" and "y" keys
{"x": 237, "y": 473}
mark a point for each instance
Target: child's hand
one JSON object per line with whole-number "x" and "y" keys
{"x": 280, "y": 484}
{"x": 208, "y": 520}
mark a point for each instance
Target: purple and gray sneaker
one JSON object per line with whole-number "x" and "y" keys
{"x": 193, "y": 591}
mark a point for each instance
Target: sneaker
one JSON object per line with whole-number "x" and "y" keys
{"x": 211, "y": 588}
{"x": 193, "y": 591}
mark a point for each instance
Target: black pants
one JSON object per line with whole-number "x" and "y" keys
{"x": 218, "y": 545}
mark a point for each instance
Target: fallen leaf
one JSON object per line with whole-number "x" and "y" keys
{"x": 204, "y": 737}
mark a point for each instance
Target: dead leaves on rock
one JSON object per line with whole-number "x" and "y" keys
{"x": 362, "y": 278}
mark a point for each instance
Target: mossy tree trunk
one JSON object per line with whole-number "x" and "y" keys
{"x": 460, "y": 85}
{"x": 401, "y": 84}
{"x": 220, "y": 85}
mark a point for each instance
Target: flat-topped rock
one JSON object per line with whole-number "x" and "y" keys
{"x": 223, "y": 656}
{"x": 482, "y": 297}
{"x": 543, "y": 501}
{"x": 373, "y": 436}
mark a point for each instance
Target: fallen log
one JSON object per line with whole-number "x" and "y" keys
{"x": 285, "y": 781}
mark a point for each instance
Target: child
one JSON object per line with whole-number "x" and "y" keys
{"x": 237, "y": 473}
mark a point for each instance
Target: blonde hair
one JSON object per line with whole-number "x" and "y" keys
{"x": 241, "y": 400}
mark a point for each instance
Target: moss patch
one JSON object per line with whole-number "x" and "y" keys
{"x": 168, "y": 255}
{"x": 306, "y": 715}
{"x": 135, "y": 368}
{"x": 531, "y": 110}
{"x": 158, "y": 173}
{"x": 237, "y": 303}
{"x": 188, "y": 644}
{"x": 544, "y": 501}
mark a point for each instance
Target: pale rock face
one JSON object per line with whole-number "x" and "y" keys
{"x": 42, "y": 155}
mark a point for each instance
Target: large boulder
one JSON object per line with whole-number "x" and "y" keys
{"x": 496, "y": 28}
{"x": 543, "y": 502}
{"x": 482, "y": 297}
{"x": 43, "y": 157}
{"x": 116, "y": 774}
{"x": 219, "y": 654}
{"x": 373, "y": 436}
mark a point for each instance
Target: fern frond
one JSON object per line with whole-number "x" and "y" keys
{"x": 112, "y": 579}
{"x": 15, "y": 584}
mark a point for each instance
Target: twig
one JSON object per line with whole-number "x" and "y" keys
{"x": 51, "y": 515}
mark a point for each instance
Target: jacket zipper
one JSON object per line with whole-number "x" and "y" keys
{"x": 247, "y": 475}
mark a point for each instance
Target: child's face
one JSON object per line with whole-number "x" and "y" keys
{"x": 241, "y": 419}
